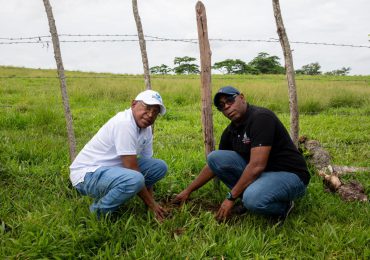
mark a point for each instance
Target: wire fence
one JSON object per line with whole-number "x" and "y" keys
{"x": 45, "y": 40}
{"x": 195, "y": 77}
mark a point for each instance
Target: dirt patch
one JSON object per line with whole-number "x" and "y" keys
{"x": 195, "y": 205}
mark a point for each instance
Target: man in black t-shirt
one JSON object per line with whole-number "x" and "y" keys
{"x": 256, "y": 160}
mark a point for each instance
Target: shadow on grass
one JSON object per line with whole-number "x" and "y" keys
{"x": 4, "y": 227}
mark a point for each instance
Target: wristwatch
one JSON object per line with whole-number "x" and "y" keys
{"x": 229, "y": 196}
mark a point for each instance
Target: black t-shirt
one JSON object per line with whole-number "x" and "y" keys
{"x": 261, "y": 127}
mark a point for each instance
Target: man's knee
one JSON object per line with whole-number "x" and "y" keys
{"x": 213, "y": 156}
{"x": 162, "y": 168}
{"x": 135, "y": 184}
{"x": 138, "y": 182}
{"x": 253, "y": 202}
{"x": 213, "y": 159}
{"x": 157, "y": 171}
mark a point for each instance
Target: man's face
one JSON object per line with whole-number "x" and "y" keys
{"x": 233, "y": 107}
{"x": 144, "y": 114}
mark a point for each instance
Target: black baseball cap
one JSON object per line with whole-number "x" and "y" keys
{"x": 228, "y": 91}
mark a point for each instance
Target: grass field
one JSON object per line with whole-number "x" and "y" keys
{"x": 42, "y": 216}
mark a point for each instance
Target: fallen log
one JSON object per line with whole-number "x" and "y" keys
{"x": 341, "y": 170}
{"x": 331, "y": 181}
{"x": 352, "y": 191}
{"x": 321, "y": 160}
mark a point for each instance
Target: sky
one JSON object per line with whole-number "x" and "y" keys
{"x": 328, "y": 21}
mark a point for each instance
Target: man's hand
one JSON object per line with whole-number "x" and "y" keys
{"x": 181, "y": 198}
{"x": 159, "y": 212}
{"x": 204, "y": 176}
{"x": 224, "y": 210}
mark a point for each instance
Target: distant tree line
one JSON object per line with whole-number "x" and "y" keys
{"x": 263, "y": 63}
{"x": 314, "y": 69}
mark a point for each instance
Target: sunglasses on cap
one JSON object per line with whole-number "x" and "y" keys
{"x": 229, "y": 100}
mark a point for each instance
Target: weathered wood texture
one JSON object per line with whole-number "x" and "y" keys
{"x": 205, "y": 74}
{"x": 321, "y": 159}
{"x": 144, "y": 55}
{"x": 290, "y": 74}
{"x": 62, "y": 79}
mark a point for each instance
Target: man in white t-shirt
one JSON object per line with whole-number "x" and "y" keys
{"x": 116, "y": 164}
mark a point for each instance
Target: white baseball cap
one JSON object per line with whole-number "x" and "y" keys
{"x": 151, "y": 97}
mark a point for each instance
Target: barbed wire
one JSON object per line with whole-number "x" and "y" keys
{"x": 151, "y": 38}
{"x": 66, "y": 35}
{"x": 176, "y": 77}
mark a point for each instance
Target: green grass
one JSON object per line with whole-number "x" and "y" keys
{"x": 42, "y": 216}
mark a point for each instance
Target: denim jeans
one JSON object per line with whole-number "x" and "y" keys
{"x": 270, "y": 194}
{"x": 113, "y": 186}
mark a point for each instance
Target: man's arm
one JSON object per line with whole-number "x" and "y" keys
{"x": 257, "y": 163}
{"x": 204, "y": 176}
{"x": 130, "y": 162}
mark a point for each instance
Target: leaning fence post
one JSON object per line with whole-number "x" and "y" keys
{"x": 62, "y": 80}
{"x": 293, "y": 103}
{"x": 144, "y": 55}
{"x": 205, "y": 75}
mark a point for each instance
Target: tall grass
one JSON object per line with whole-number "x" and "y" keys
{"x": 42, "y": 216}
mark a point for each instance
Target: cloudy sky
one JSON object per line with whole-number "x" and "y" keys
{"x": 328, "y": 21}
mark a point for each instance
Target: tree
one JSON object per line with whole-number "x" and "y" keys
{"x": 184, "y": 65}
{"x": 340, "y": 72}
{"x": 267, "y": 64}
{"x": 229, "y": 66}
{"x": 237, "y": 66}
{"x": 310, "y": 69}
{"x": 162, "y": 69}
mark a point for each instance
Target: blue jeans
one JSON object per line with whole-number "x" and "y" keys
{"x": 113, "y": 186}
{"x": 270, "y": 194}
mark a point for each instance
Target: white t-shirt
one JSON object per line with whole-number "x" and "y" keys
{"x": 119, "y": 136}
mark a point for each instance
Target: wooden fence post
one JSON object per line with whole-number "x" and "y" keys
{"x": 144, "y": 55}
{"x": 62, "y": 79}
{"x": 290, "y": 74}
{"x": 205, "y": 75}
